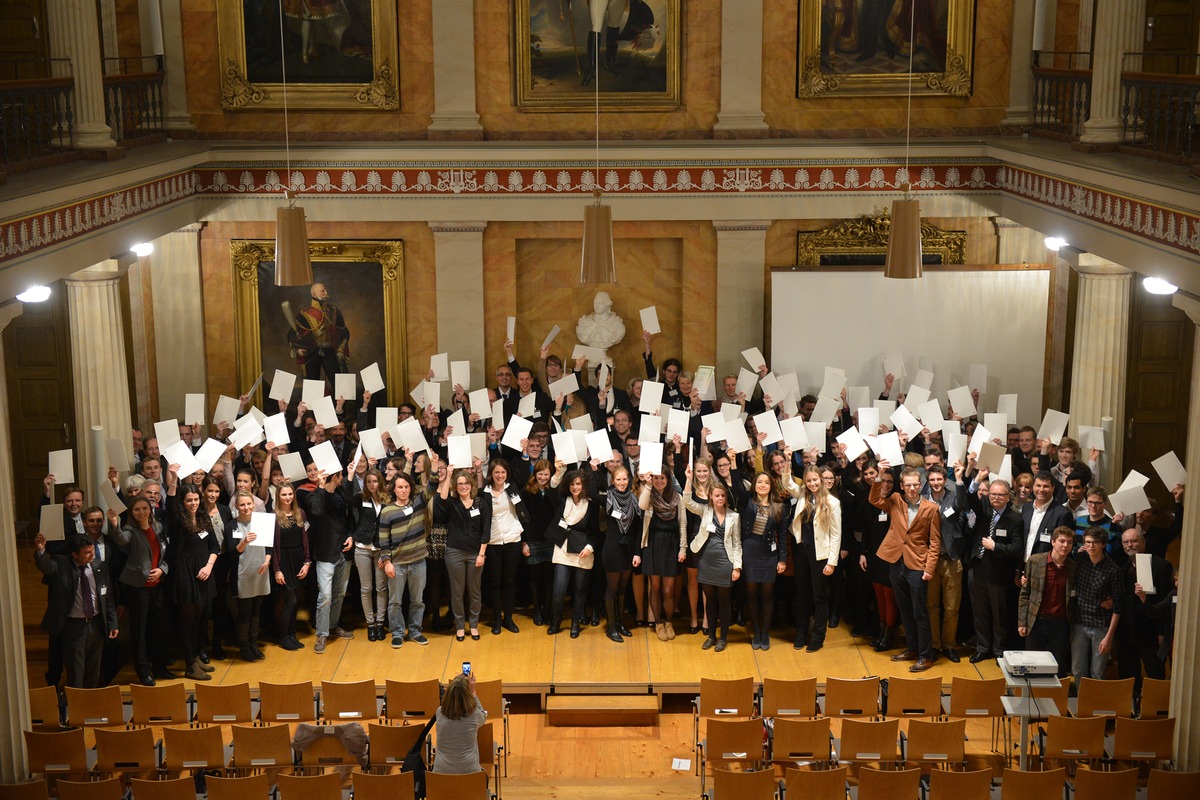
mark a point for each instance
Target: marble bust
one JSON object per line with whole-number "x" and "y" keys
{"x": 602, "y": 328}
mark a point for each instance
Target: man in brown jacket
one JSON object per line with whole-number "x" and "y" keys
{"x": 1044, "y": 611}
{"x": 912, "y": 546}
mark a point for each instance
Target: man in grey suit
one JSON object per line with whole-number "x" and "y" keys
{"x": 79, "y": 609}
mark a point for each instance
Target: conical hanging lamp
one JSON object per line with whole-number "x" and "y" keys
{"x": 904, "y": 259}
{"x": 597, "y": 263}
{"x": 293, "y": 263}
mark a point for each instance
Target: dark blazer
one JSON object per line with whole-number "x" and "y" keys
{"x": 64, "y": 583}
{"x": 919, "y": 544}
{"x": 1055, "y": 516}
{"x": 1002, "y": 563}
{"x": 137, "y": 564}
{"x": 1030, "y": 602}
{"x": 513, "y": 490}
{"x": 575, "y": 537}
{"x": 776, "y": 530}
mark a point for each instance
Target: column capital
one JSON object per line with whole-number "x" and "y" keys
{"x": 457, "y": 227}
{"x": 731, "y": 225}
{"x": 194, "y": 227}
{"x": 1092, "y": 265}
{"x": 108, "y": 270}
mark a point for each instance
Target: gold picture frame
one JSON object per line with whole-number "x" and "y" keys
{"x": 861, "y": 243}
{"x": 346, "y": 59}
{"x": 550, "y": 57}
{"x": 860, "y": 48}
{"x": 252, "y": 259}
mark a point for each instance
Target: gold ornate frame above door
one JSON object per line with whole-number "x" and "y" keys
{"x": 862, "y": 242}
{"x": 339, "y": 55}
{"x": 365, "y": 280}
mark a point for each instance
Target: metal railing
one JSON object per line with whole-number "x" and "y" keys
{"x": 1062, "y": 91}
{"x": 133, "y": 99}
{"x": 35, "y": 112}
{"x": 1159, "y": 100}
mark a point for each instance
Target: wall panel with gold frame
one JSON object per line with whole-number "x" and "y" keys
{"x": 861, "y": 47}
{"x": 338, "y": 54}
{"x": 365, "y": 280}
{"x": 863, "y": 242}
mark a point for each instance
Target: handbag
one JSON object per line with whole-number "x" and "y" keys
{"x": 414, "y": 763}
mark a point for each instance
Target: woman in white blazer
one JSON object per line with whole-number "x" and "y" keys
{"x": 718, "y": 544}
{"x": 816, "y": 540}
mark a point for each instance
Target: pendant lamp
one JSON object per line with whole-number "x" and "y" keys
{"x": 293, "y": 264}
{"x": 597, "y": 264}
{"x": 904, "y": 239}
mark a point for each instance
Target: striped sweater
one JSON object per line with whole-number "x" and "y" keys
{"x": 402, "y": 532}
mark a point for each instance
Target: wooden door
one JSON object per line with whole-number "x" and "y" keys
{"x": 41, "y": 407}
{"x": 1170, "y": 27}
{"x": 23, "y": 39}
{"x": 1161, "y": 339}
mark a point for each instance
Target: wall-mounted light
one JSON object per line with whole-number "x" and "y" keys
{"x": 1055, "y": 243}
{"x": 35, "y": 294}
{"x": 1158, "y": 286}
{"x": 142, "y": 249}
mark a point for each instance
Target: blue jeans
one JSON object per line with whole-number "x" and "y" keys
{"x": 1086, "y": 659}
{"x": 331, "y": 589}
{"x": 412, "y": 576}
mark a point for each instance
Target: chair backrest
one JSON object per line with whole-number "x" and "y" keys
{"x": 1104, "y": 698}
{"x": 1075, "y": 738}
{"x": 107, "y": 789}
{"x": 870, "y": 740}
{"x": 1030, "y": 785}
{"x": 173, "y": 789}
{"x": 1116, "y": 785}
{"x": 976, "y": 698}
{"x": 412, "y": 700}
{"x": 391, "y": 743}
{"x": 193, "y": 748}
{"x": 721, "y": 697}
{"x": 914, "y": 697}
{"x": 95, "y": 708}
{"x": 937, "y": 742}
{"x": 327, "y": 751}
{"x": 265, "y": 746}
{"x": 485, "y": 742}
{"x": 801, "y": 740}
{"x": 1144, "y": 739}
{"x": 1155, "y": 699}
{"x": 851, "y": 697}
{"x": 347, "y": 702}
{"x": 286, "y": 702}
{"x": 817, "y": 784}
{"x": 164, "y": 704}
{"x": 455, "y": 787}
{"x": 946, "y": 784}
{"x": 56, "y": 753}
{"x": 120, "y": 750}
{"x": 368, "y": 786}
{"x": 326, "y": 786}
{"x": 789, "y": 698}
{"x": 249, "y": 787}
{"x": 491, "y": 697}
{"x": 1163, "y": 785}
{"x": 44, "y": 713}
{"x": 26, "y": 790}
{"x": 893, "y": 784}
{"x": 758, "y": 785}
{"x": 734, "y": 741}
{"x": 223, "y": 705}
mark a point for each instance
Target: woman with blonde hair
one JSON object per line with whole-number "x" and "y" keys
{"x": 468, "y": 519}
{"x": 459, "y": 718}
{"x": 697, "y": 487}
{"x": 816, "y": 542}
{"x": 664, "y": 544}
{"x": 718, "y": 545}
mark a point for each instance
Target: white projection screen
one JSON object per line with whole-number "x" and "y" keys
{"x": 943, "y": 322}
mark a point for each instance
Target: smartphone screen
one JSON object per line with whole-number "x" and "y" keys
{"x": 466, "y": 668}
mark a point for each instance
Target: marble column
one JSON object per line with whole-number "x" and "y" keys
{"x": 1020, "y": 77}
{"x": 741, "y": 113}
{"x": 14, "y": 678}
{"x": 1118, "y": 30}
{"x": 741, "y": 297}
{"x": 178, "y": 319}
{"x": 176, "y": 114}
{"x": 75, "y": 35}
{"x": 98, "y": 364}
{"x": 1185, "y": 682}
{"x": 458, "y": 256}
{"x": 454, "y": 112}
{"x": 1101, "y": 354}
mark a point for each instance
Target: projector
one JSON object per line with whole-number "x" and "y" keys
{"x": 1030, "y": 662}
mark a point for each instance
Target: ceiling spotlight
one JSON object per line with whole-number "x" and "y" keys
{"x": 142, "y": 249}
{"x": 1158, "y": 286}
{"x": 1055, "y": 243}
{"x": 35, "y": 294}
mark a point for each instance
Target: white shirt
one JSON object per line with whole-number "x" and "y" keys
{"x": 506, "y": 528}
{"x": 1035, "y": 523}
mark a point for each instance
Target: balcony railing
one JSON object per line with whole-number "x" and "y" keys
{"x": 133, "y": 104}
{"x": 1062, "y": 92}
{"x": 1159, "y": 97}
{"x": 35, "y": 112}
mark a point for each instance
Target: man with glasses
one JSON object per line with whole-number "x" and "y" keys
{"x": 995, "y": 553}
{"x": 1139, "y": 630}
{"x": 505, "y": 391}
{"x": 1100, "y": 601}
{"x": 1097, "y": 517}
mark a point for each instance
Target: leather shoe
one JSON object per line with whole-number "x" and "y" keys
{"x": 952, "y": 654}
{"x": 977, "y": 657}
{"x": 510, "y": 626}
{"x": 146, "y": 680}
{"x": 834, "y": 620}
{"x": 905, "y": 655}
{"x": 921, "y": 665}
{"x": 575, "y": 629}
{"x": 496, "y": 628}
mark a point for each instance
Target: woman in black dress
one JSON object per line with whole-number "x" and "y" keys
{"x": 764, "y": 556}
{"x": 575, "y": 530}
{"x": 292, "y": 563}
{"x": 875, "y": 527}
{"x": 192, "y": 556}
{"x": 221, "y": 519}
{"x": 664, "y": 544}
{"x": 620, "y": 553}
{"x": 537, "y": 549}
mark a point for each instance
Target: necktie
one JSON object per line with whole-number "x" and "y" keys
{"x": 991, "y": 533}
{"x": 89, "y": 600}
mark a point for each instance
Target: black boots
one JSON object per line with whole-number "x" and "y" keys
{"x": 885, "y": 639}
{"x": 610, "y": 606}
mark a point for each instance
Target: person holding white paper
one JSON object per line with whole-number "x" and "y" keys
{"x": 1140, "y": 629}
{"x": 697, "y": 485}
{"x": 664, "y": 546}
{"x": 365, "y": 506}
{"x": 72, "y": 503}
{"x": 764, "y": 553}
{"x": 719, "y": 546}
{"x": 192, "y": 557}
{"x": 324, "y": 505}
{"x": 469, "y": 523}
{"x": 251, "y": 582}
{"x": 403, "y": 551}
{"x": 668, "y": 376}
{"x": 509, "y": 521}
{"x": 575, "y": 531}
{"x": 526, "y": 386}
{"x": 620, "y": 553}
{"x": 291, "y": 563}
{"x": 816, "y": 532}
{"x": 995, "y": 554}
{"x": 220, "y": 519}
{"x": 1068, "y": 453}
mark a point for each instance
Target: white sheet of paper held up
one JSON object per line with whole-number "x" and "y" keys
{"x": 262, "y": 525}
{"x": 858, "y": 396}
{"x": 893, "y": 364}
{"x": 345, "y": 385}
{"x": 439, "y": 365}
{"x": 930, "y": 413}
{"x": 225, "y": 412}
{"x": 746, "y": 382}
{"x": 458, "y": 449}
{"x": 826, "y": 409}
{"x": 112, "y": 501}
{"x": 518, "y": 429}
{"x": 678, "y": 422}
{"x": 456, "y": 423}
{"x": 193, "y": 409}
{"x": 735, "y": 435}
{"x": 1129, "y": 501}
{"x": 887, "y": 446}
{"x": 292, "y": 465}
{"x": 816, "y": 436}
{"x": 886, "y": 409}
{"x": 180, "y": 453}
{"x": 1134, "y": 478}
{"x": 853, "y": 440}
{"x": 794, "y": 435}
{"x": 564, "y": 386}
{"x": 754, "y": 358}
{"x": 835, "y": 381}
{"x": 924, "y": 379}
{"x": 652, "y": 392}
{"x": 981, "y": 435}
{"x": 460, "y": 374}
{"x": 554, "y": 332}
{"x": 1006, "y": 404}
{"x": 51, "y": 522}
{"x": 652, "y": 458}
{"x": 118, "y": 456}
{"x": 480, "y": 403}
{"x": 767, "y": 423}
{"x": 772, "y": 389}
{"x": 650, "y": 320}
{"x": 1170, "y": 469}
{"x": 372, "y": 443}
{"x": 599, "y": 446}
{"x": 581, "y": 423}
{"x": 209, "y": 453}
{"x": 167, "y": 433}
{"x": 282, "y": 386}
{"x": 917, "y": 396}
{"x": 1090, "y": 436}
{"x": 324, "y": 413}
{"x": 62, "y": 465}
{"x": 650, "y": 429}
{"x": 325, "y": 457}
{"x": 1145, "y": 576}
{"x": 1054, "y": 426}
{"x": 409, "y": 434}
{"x": 960, "y": 398}
{"x": 868, "y": 421}
{"x": 905, "y": 422}
{"x": 715, "y": 422}
{"x": 527, "y": 406}
{"x": 995, "y": 422}
{"x": 371, "y": 378}
{"x": 564, "y": 447}
{"x": 276, "y": 430}
{"x": 247, "y": 434}
{"x": 991, "y": 458}
{"x": 977, "y": 377}
{"x": 311, "y": 392}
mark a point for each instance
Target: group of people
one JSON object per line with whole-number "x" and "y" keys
{"x": 703, "y": 543}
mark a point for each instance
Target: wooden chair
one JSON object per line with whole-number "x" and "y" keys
{"x": 26, "y": 790}
{"x": 731, "y": 785}
{"x": 890, "y": 783}
{"x": 107, "y": 789}
{"x": 327, "y": 751}
{"x": 455, "y": 787}
{"x": 491, "y": 697}
{"x": 489, "y": 753}
{"x": 871, "y": 741}
{"x": 408, "y": 701}
{"x": 171, "y": 789}
{"x": 58, "y": 753}
{"x": 95, "y": 708}
{"x": 165, "y": 704}
{"x": 789, "y": 698}
{"x": 1155, "y": 699}
{"x": 972, "y": 699}
{"x": 125, "y": 752}
{"x": 1145, "y": 741}
{"x": 192, "y": 749}
{"x": 731, "y": 742}
{"x": 1163, "y": 785}
{"x": 817, "y": 784}
{"x": 849, "y": 697}
{"x": 1072, "y": 739}
{"x": 935, "y": 743}
{"x": 248, "y": 787}
{"x": 367, "y": 786}
{"x": 1119, "y": 785}
{"x": 949, "y": 785}
{"x": 45, "y": 714}
{"x": 256, "y": 747}
{"x": 1102, "y": 699}
{"x": 286, "y": 702}
{"x": 223, "y": 705}
{"x": 349, "y": 702}
{"x": 326, "y": 786}
{"x": 914, "y": 697}
{"x": 391, "y": 743}
{"x": 720, "y": 698}
{"x": 1030, "y": 785}
{"x": 801, "y": 741}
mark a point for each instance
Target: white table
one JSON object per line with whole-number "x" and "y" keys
{"x": 1028, "y": 708}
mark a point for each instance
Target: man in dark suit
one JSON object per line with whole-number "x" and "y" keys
{"x": 1043, "y": 516}
{"x": 912, "y": 546}
{"x": 1045, "y": 612}
{"x": 112, "y": 559}
{"x": 78, "y": 609}
{"x": 1139, "y": 628}
{"x": 995, "y": 553}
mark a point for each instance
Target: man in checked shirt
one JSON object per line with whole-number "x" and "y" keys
{"x": 1099, "y": 603}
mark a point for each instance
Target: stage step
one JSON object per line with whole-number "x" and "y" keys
{"x": 615, "y": 710}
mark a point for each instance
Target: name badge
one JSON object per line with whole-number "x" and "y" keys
{"x": 882, "y": 516}
{"x": 516, "y": 498}
{"x": 406, "y": 511}
{"x": 616, "y": 514}
{"x": 1073, "y": 593}
{"x": 949, "y": 512}
{"x": 712, "y": 528}
{"x": 103, "y": 591}
{"x": 1001, "y": 533}
{"x": 367, "y": 504}
{"x": 1045, "y": 537}
{"x": 536, "y": 414}
{"x": 474, "y": 512}
{"x": 562, "y": 523}
{"x": 203, "y": 535}
{"x": 774, "y": 547}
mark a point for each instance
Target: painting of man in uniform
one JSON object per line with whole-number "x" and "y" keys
{"x": 334, "y": 325}
{"x": 324, "y": 41}
{"x": 876, "y": 37}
